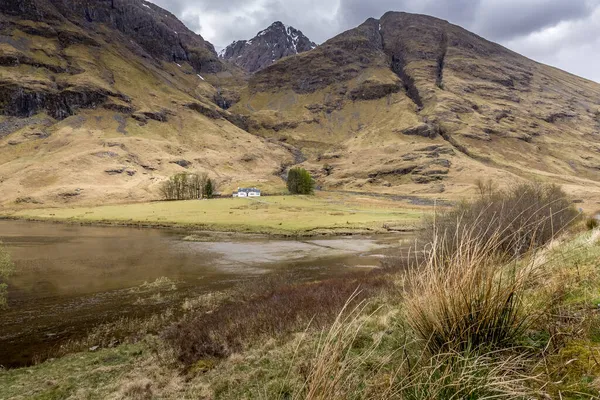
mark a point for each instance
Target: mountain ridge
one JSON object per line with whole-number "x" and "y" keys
{"x": 405, "y": 104}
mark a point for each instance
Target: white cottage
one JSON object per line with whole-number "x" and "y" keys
{"x": 247, "y": 192}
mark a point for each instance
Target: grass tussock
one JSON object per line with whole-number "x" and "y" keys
{"x": 470, "y": 298}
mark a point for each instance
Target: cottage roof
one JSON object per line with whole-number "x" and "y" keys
{"x": 248, "y": 190}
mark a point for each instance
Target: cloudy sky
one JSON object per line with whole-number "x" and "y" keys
{"x": 563, "y": 33}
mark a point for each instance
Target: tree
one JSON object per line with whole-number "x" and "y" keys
{"x": 300, "y": 182}
{"x": 184, "y": 186}
{"x": 196, "y": 183}
{"x": 6, "y": 270}
{"x": 208, "y": 189}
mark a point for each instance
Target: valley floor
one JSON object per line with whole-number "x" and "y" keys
{"x": 323, "y": 213}
{"x": 558, "y": 359}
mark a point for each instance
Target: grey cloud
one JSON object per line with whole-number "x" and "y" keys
{"x": 460, "y": 12}
{"x": 504, "y": 19}
{"x": 496, "y": 19}
{"x": 174, "y": 6}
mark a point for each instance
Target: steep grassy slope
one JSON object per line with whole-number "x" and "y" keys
{"x": 413, "y": 103}
{"x": 95, "y": 112}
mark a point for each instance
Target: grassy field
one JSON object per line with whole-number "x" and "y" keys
{"x": 286, "y": 215}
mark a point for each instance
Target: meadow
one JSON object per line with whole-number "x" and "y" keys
{"x": 324, "y": 213}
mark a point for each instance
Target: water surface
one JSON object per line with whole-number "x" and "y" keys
{"x": 70, "y": 278}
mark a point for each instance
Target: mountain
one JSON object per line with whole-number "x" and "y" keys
{"x": 268, "y": 46}
{"x": 100, "y": 101}
{"x": 416, "y": 104}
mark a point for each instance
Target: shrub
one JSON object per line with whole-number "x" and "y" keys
{"x": 485, "y": 187}
{"x": 6, "y": 270}
{"x": 523, "y": 217}
{"x": 277, "y": 312}
{"x": 184, "y": 186}
{"x": 592, "y": 223}
{"x": 300, "y": 181}
{"x": 208, "y": 189}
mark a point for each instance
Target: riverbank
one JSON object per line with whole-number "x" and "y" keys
{"x": 325, "y": 214}
{"x": 370, "y": 353}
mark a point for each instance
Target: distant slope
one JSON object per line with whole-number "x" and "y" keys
{"x": 268, "y": 46}
{"x": 415, "y": 104}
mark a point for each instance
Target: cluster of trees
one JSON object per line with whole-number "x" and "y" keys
{"x": 299, "y": 181}
{"x": 188, "y": 186}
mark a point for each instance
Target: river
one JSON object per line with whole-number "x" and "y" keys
{"x": 70, "y": 278}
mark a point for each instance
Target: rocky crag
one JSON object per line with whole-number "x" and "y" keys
{"x": 269, "y": 45}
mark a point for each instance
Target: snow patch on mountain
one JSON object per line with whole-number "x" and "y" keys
{"x": 268, "y": 46}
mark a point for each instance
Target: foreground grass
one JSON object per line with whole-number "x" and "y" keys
{"x": 372, "y": 351}
{"x": 286, "y": 215}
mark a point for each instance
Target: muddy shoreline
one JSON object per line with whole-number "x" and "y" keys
{"x": 219, "y": 234}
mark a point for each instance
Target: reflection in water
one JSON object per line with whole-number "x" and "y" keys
{"x": 70, "y": 278}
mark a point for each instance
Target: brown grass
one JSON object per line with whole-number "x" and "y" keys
{"x": 469, "y": 299}
{"x": 274, "y": 313}
{"x": 463, "y": 375}
{"x": 331, "y": 375}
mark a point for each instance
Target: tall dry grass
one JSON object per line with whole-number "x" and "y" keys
{"x": 470, "y": 298}
{"x": 465, "y": 375}
{"x": 333, "y": 373}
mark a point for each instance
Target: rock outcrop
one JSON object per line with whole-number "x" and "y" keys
{"x": 43, "y": 34}
{"x": 151, "y": 30}
{"x": 268, "y": 46}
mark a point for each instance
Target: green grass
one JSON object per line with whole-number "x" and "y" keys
{"x": 87, "y": 375}
{"x": 274, "y": 215}
{"x": 381, "y": 350}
